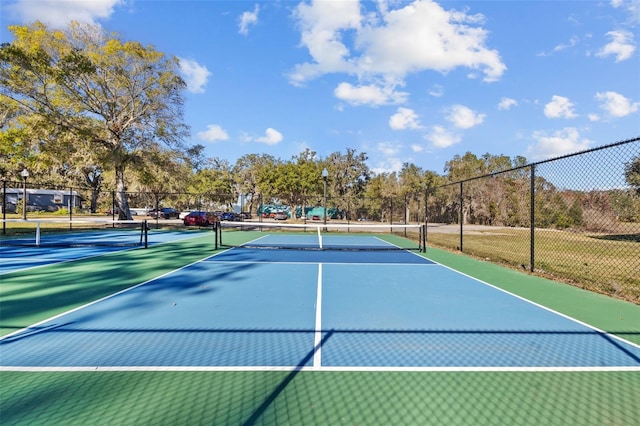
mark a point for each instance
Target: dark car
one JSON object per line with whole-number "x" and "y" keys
{"x": 199, "y": 218}
{"x": 165, "y": 213}
{"x": 8, "y": 208}
{"x": 230, "y": 216}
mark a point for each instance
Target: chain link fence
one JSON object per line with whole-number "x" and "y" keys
{"x": 575, "y": 218}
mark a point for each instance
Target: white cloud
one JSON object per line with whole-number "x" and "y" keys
{"x": 621, "y": 46}
{"x": 631, "y": 6}
{"x": 436, "y": 91}
{"x": 507, "y": 103}
{"x": 616, "y": 105}
{"x": 320, "y": 23}
{"x": 464, "y": 118}
{"x": 195, "y": 75}
{"x": 572, "y": 42}
{"x": 388, "y": 148}
{"x": 405, "y": 118}
{"x": 559, "y": 107}
{"x": 372, "y": 95}
{"x": 389, "y": 44}
{"x": 417, "y": 148}
{"x": 593, "y": 117}
{"x": 213, "y": 133}
{"x": 441, "y": 137}
{"x": 271, "y": 137}
{"x": 248, "y": 18}
{"x": 561, "y": 142}
{"x": 59, "y": 13}
{"x": 388, "y": 165}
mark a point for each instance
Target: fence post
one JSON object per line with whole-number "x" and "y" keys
{"x": 532, "y": 230}
{"x": 113, "y": 205}
{"x": 426, "y": 217}
{"x": 4, "y": 207}
{"x": 70, "y": 207}
{"x": 461, "y": 216}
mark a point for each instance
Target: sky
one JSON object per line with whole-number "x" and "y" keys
{"x": 415, "y": 81}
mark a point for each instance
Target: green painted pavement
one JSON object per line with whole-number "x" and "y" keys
{"x": 603, "y": 312}
{"x": 320, "y": 398}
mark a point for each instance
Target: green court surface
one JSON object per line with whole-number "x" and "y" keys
{"x": 304, "y": 397}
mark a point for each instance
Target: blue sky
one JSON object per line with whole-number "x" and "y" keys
{"x": 403, "y": 81}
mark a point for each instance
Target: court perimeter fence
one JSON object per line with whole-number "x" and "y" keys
{"x": 574, "y": 218}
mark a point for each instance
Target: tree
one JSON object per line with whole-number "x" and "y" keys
{"x": 215, "y": 183}
{"x": 632, "y": 173}
{"x": 293, "y": 182}
{"x": 247, "y": 173}
{"x": 122, "y": 98}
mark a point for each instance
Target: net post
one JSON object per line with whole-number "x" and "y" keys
{"x": 218, "y": 235}
{"x": 423, "y": 231}
{"x": 144, "y": 234}
{"x": 38, "y": 234}
{"x": 215, "y": 235}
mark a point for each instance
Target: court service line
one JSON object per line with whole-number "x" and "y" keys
{"x": 317, "y": 340}
{"x": 279, "y": 262}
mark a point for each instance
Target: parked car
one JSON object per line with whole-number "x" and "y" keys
{"x": 280, "y": 216}
{"x": 200, "y": 218}
{"x": 230, "y": 216}
{"x": 164, "y": 213}
{"x": 8, "y": 208}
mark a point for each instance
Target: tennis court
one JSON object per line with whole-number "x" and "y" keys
{"x": 346, "y": 330}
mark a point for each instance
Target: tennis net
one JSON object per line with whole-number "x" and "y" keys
{"x": 318, "y": 236}
{"x": 73, "y": 233}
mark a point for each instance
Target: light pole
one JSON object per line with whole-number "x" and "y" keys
{"x": 325, "y": 174}
{"x": 25, "y": 175}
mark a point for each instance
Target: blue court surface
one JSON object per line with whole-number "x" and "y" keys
{"x": 15, "y": 257}
{"x": 265, "y": 309}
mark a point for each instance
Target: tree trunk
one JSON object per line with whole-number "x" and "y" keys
{"x": 121, "y": 194}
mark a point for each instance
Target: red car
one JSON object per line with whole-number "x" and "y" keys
{"x": 199, "y": 218}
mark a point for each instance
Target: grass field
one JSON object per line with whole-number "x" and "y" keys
{"x": 595, "y": 262}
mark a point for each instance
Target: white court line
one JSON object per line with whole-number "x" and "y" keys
{"x": 584, "y": 324}
{"x": 317, "y": 340}
{"x": 278, "y": 262}
{"x": 596, "y": 369}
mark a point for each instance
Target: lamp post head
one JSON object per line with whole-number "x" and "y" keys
{"x": 325, "y": 174}
{"x": 24, "y": 173}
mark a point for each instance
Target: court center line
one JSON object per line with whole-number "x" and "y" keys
{"x": 317, "y": 341}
